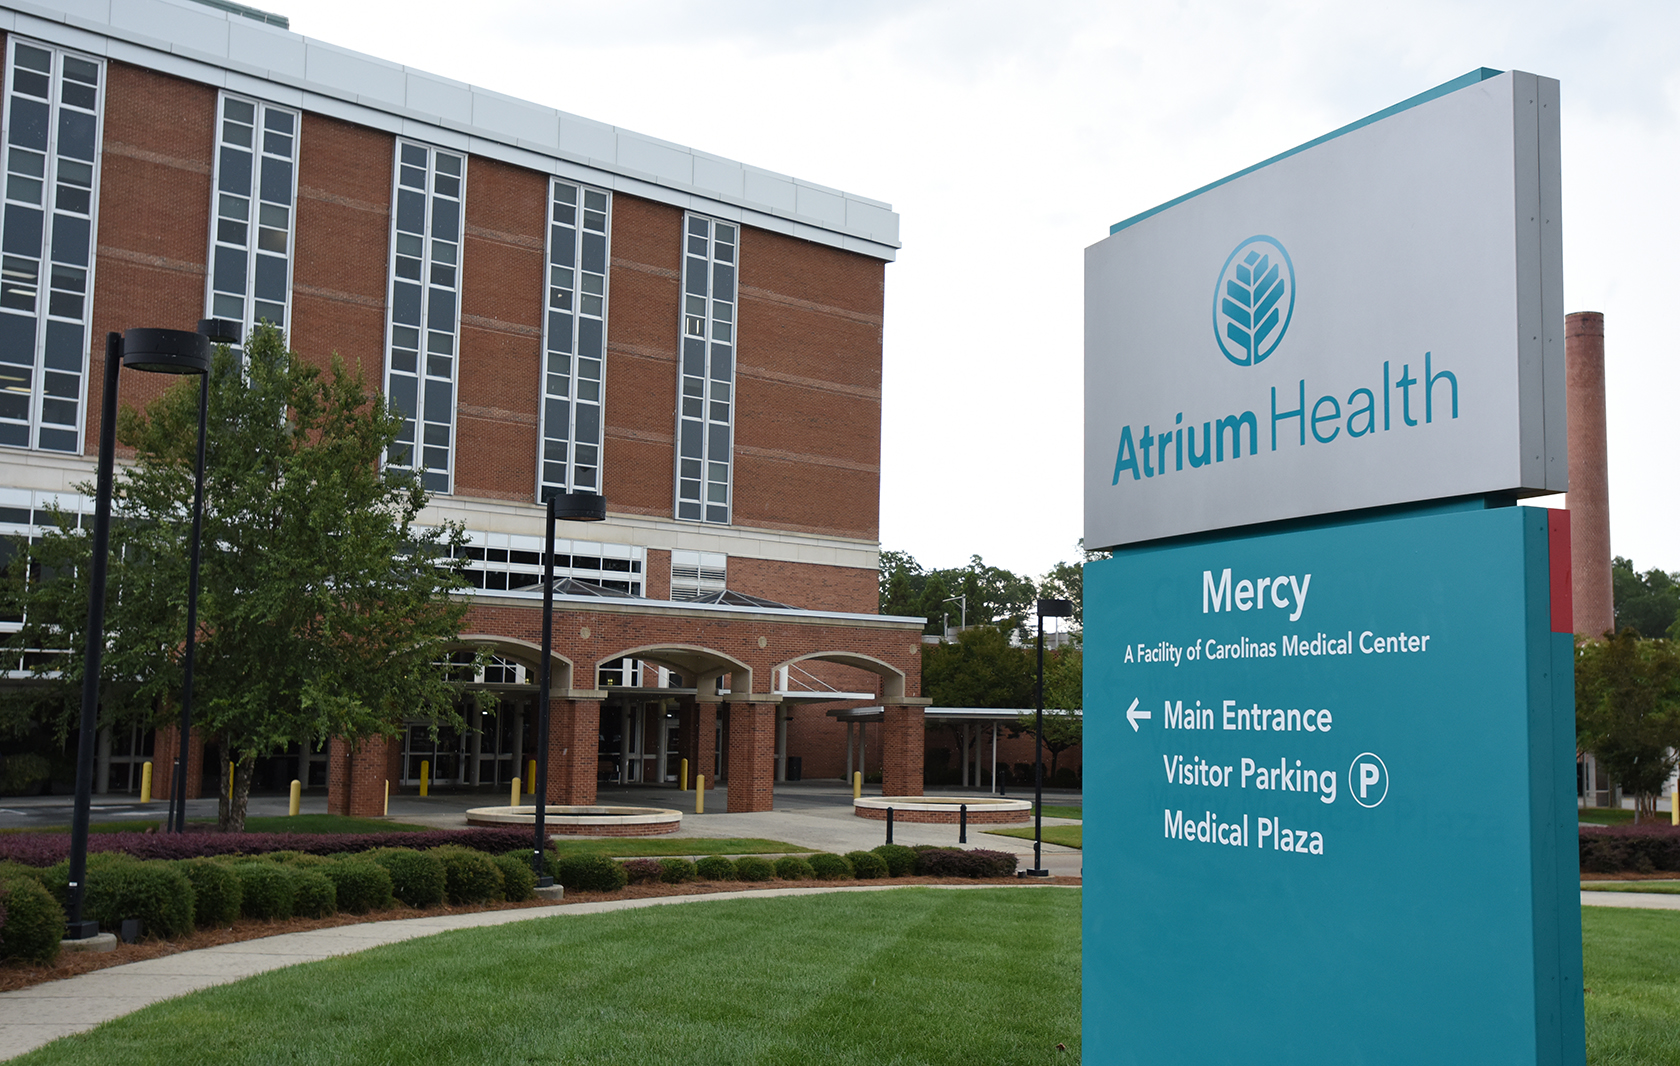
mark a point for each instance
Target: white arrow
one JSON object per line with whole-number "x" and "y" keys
{"x": 1133, "y": 714}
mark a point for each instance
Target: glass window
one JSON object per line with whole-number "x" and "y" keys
{"x": 706, "y": 416}
{"x": 251, "y": 251}
{"x": 428, "y": 189}
{"x": 574, "y": 340}
{"x": 53, "y": 108}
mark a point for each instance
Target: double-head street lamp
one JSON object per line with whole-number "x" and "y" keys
{"x": 159, "y": 351}
{"x": 1046, "y": 609}
{"x": 564, "y": 507}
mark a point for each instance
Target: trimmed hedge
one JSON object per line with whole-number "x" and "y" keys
{"x": 313, "y": 893}
{"x": 265, "y": 890}
{"x": 794, "y": 868}
{"x": 362, "y": 885}
{"x": 643, "y": 871}
{"x": 900, "y": 860}
{"x": 867, "y": 865}
{"x": 753, "y": 868}
{"x": 591, "y": 873}
{"x": 418, "y": 878}
{"x": 1636, "y": 848}
{"x": 469, "y": 876}
{"x": 676, "y": 871}
{"x": 158, "y": 894}
{"x": 715, "y": 868}
{"x": 956, "y": 862}
{"x": 33, "y": 923}
{"x": 519, "y": 881}
{"x": 217, "y": 891}
{"x": 830, "y": 867}
{"x": 45, "y": 849}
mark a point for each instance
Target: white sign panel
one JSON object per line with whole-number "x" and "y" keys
{"x": 1374, "y": 318}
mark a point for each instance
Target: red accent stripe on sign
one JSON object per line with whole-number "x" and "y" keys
{"x": 1563, "y": 581}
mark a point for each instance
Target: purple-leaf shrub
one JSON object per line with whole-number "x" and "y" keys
{"x": 1637, "y": 848}
{"x": 44, "y": 849}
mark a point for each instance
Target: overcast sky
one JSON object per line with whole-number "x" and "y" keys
{"x": 1010, "y": 136}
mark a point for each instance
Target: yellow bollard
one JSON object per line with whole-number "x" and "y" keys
{"x": 513, "y": 799}
{"x": 1673, "y": 806}
{"x": 230, "y": 782}
{"x": 146, "y": 782}
{"x": 682, "y": 777}
{"x": 425, "y": 778}
{"x": 387, "y": 809}
{"x": 857, "y": 783}
{"x": 297, "y": 798}
{"x": 530, "y": 777}
{"x": 699, "y": 793}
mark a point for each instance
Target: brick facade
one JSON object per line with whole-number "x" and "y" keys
{"x": 164, "y": 749}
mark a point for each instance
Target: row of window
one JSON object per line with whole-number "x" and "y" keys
{"x": 52, "y": 133}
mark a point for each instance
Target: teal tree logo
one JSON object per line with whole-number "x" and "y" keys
{"x": 1254, "y": 300}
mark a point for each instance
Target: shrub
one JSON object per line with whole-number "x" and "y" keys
{"x": 156, "y": 893}
{"x": 753, "y": 868}
{"x": 313, "y": 893}
{"x": 829, "y": 867}
{"x": 1643, "y": 848}
{"x": 23, "y": 775}
{"x": 1066, "y": 777}
{"x": 676, "y": 871}
{"x": 866, "y": 864}
{"x": 591, "y": 873}
{"x": 417, "y": 877}
{"x": 519, "y": 881}
{"x": 10, "y": 870}
{"x": 361, "y": 885}
{"x": 44, "y": 849}
{"x": 643, "y": 871}
{"x": 265, "y": 890}
{"x": 31, "y": 920}
{"x": 715, "y": 868}
{"x": 469, "y": 876}
{"x": 956, "y": 862}
{"x": 900, "y": 860}
{"x": 793, "y": 868}
{"x": 33, "y": 923}
{"x": 216, "y": 892}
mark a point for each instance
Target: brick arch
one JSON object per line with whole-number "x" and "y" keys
{"x": 694, "y": 660}
{"x": 522, "y": 650}
{"x": 892, "y": 678}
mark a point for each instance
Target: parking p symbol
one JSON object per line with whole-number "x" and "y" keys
{"x": 1368, "y": 780}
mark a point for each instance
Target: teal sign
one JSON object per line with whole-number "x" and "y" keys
{"x": 1330, "y": 784}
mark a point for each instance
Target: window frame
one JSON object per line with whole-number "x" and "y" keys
{"x": 248, "y": 320}
{"x": 544, "y": 486}
{"x": 707, "y": 397}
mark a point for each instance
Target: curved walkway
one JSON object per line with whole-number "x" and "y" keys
{"x": 34, "y": 1016}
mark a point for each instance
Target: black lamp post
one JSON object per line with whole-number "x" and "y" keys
{"x": 1046, "y": 609}
{"x": 165, "y": 351}
{"x": 565, "y": 507}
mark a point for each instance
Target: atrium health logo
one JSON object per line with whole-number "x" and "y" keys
{"x": 1254, "y": 300}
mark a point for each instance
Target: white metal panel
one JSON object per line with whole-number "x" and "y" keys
{"x": 820, "y": 204}
{"x": 517, "y": 119}
{"x": 200, "y": 28}
{"x": 653, "y": 157}
{"x": 878, "y": 222}
{"x": 589, "y": 139}
{"x": 451, "y": 101}
{"x": 266, "y": 48}
{"x": 720, "y": 176}
{"x": 774, "y": 191}
{"x": 358, "y": 75}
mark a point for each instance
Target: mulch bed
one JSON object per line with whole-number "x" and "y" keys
{"x": 15, "y": 975}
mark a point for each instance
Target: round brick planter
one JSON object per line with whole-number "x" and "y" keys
{"x": 585, "y": 821}
{"x": 981, "y": 810}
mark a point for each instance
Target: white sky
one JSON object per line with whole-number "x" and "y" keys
{"x": 1010, "y": 136}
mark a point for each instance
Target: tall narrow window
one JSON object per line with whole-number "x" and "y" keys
{"x": 706, "y": 415}
{"x": 252, "y": 213}
{"x": 52, "y": 130}
{"x": 430, "y": 187}
{"x": 574, "y": 340}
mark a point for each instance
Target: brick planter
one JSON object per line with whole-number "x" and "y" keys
{"x": 946, "y": 811}
{"x": 585, "y": 821}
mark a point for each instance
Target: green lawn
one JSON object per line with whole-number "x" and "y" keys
{"x": 1056, "y": 810}
{"x": 1604, "y": 816}
{"x": 630, "y": 847}
{"x": 328, "y": 823}
{"x": 1669, "y": 888}
{"x": 913, "y": 975}
{"x": 1068, "y": 836}
{"x": 1633, "y": 986}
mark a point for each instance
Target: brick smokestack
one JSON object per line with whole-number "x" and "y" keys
{"x": 1589, "y": 488}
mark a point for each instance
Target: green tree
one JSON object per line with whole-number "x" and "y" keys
{"x": 978, "y": 669}
{"x": 1648, "y": 602}
{"x": 1064, "y": 723}
{"x": 1627, "y": 711}
{"x": 323, "y": 611}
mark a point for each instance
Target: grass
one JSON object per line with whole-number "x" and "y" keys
{"x": 1604, "y": 816}
{"x": 1068, "y": 836}
{"x": 912, "y": 975}
{"x": 1667, "y": 888}
{"x": 1056, "y": 810}
{"x": 631, "y": 847}
{"x": 1633, "y": 986}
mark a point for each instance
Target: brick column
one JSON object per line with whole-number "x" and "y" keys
{"x": 164, "y": 747}
{"x": 357, "y": 776}
{"x": 697, "y": 738}
{"x": 752, "y": 756}
{"x": 1589, "y": 488}
{"x": 574, "y": 732}
{"x": 903, "y": 738}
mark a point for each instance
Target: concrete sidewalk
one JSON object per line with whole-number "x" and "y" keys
{"x": 34, "y": 1016}
{"x": 1655, "y": 901}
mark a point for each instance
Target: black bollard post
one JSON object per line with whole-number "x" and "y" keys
{"x": 962, "y": 823}
{"x": 889, "y": 824}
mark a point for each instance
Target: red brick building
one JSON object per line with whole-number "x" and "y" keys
{"x": 556, "y": 305}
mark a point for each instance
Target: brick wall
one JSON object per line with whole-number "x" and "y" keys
{"x": 641, "y": 387}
